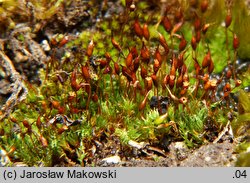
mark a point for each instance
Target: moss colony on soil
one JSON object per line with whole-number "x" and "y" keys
{"x": 137, "y": 71}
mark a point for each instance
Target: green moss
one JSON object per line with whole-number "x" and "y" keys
{"x": 61, "y": 120}
{"x": 241, "y": 27}
{"x": 243, "y": 160}
{"x": 241, "y": 124}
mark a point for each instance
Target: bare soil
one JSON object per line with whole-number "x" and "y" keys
{"x": 71, "y": 21}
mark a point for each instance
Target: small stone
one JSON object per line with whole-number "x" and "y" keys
{"x": 137, "y": 145}
{"x": 4, "y": 159}
{"x": 45, "y": 45}
{"x": 21, "y": 164}
{"x": 207, "y": 159}
{"x": 112, "y": 160}
{"x": 180, "y": 145}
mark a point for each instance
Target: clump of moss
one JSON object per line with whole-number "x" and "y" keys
{"x": 102, "y": 87}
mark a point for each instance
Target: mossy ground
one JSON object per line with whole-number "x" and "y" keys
{"x": 98, "y": 78}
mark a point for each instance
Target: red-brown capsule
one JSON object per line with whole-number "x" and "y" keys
{"x": 64, "y": 41}
{"x": 198, "y": 36}
{"x": 14, "y": 120}
{"x": 55, "y": 104}
{"x": 44, "y": 104}
{"x": 107, "y": 70}
{"x": 62, "y": 129}
{"x": 2, "y": 132}
{"x": 238, "y": 82}
{"x": 207, "y": 60}
{"x": 229, "y": 73}
{"x": 129, "y": 60}
{"x": 133, "y": 75}
{"x": 144, "y": 102}
{"x": 210, "y": 67}
{"x": 136, "y": 64}
{"x": 193, "y": 43}
{"x": 171, "y": 81}
{"x": 38, "y": 122}
{"x": 227, "y": 87}
{"x": 154, "y": 79}
{"x": 156, "y": 66}
{"x": 73, "y": 82}
{"x": 137, "y": 28}
{"x": 61, "y": 110}
{"x": 71, "y": 97}
{"x": 180, "y": 61}
{"x": 162, "y": 40}
{"x": 174, "y": 64}
{"x": 117, "y": 68}
{"x": 108, "y": 57}
{"x": 176, "y": 28}
{"x": 183, "y": 67}
{"x": 53, "y": 42}
{"x": 43, "y": 141}
{"x": 87, "y": 89}
{"x": 144, "y": 72}
{"x": 197, "y": 66}
{"x": 182, "y": 44}
{"x": 204, "y": 6}
{"x": 102, "y": 63}
{"x": 90, "y": 48}
{"x": 95, "y": 97}
{"x": 116, "y": 44}
{"x": 145, "y": 32}
{"x": 236, "y": 42}
{"x": 165, "y": 81}
{"x": 197, "y": 24}
{"x": 85, "y": 73}
{"x": 163, "y": 43}
{"x": 26, "y": 124}
{"x": 148, "y": 83}
{"x": 207, "y": 85}
{"x": 178, "y": 15}
{"x": 228, "y": 20}
{"x": 73, "y": 74}
{"x": 226, "y": 90}
{"x": 167, "y": 24}
{"x": 74, "y": 110}
{"x": 193, "y": 3}
{"x": 226, "y": 95}
{"x": 145, "y": 54}
{"x": 134, "y": 52}
{"x": 179, "y": 81}
{"x": 183, "y": 91}
{"x": 173, "y": 70}
{"x": 127, "y": 73}
{"x": 205, "y": 28}
{"x": 158, "y": 55}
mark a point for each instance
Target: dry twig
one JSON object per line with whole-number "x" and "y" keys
{"x": 19, "y": 90}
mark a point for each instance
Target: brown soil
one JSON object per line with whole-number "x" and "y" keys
{"x": 209, "y": 154}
